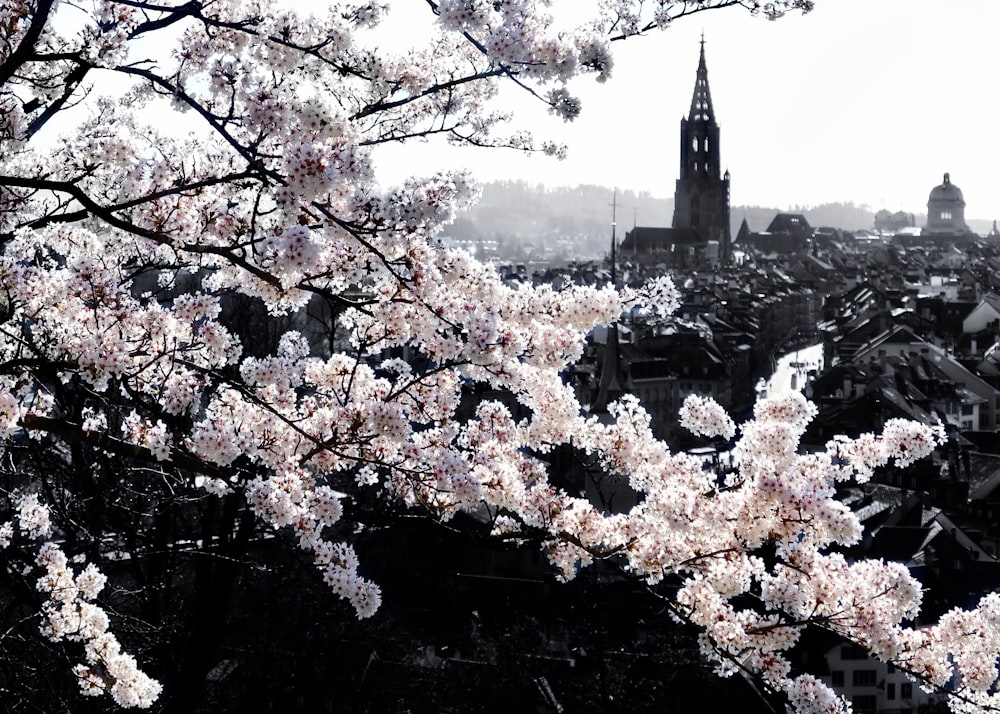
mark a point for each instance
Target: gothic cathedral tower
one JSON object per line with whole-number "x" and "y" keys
{"x": 701, "y": 198}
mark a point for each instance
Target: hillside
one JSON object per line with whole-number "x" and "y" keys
{"x": 531, "y": 220}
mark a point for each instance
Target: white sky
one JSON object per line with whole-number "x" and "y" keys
{"x": 869, "y": 101}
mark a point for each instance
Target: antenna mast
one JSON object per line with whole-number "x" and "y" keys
{"x": 614, "y": 240}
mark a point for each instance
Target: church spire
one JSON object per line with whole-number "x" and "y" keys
{"x": 700, "y": 132}
{"x": 701, "y": 100}
{"x": 701, "y": 196}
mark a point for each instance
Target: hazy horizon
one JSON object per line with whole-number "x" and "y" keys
{"x": 626, "y": 205}
{"x": 856, "y": 101}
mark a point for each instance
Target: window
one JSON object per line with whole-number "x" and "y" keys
{"x": 837, "y": 678}
{"x": 906, "y": 690}
{"x": 945, "y": 215}
{"x": 865, "y": 703}
{"x": 863, "y": 678}
{"x": 890, "y": 691}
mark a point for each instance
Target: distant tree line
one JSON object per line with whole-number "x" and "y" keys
{"x": 527, "y": 219}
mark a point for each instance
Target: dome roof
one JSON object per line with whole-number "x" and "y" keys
{"x": 947, "y": 192}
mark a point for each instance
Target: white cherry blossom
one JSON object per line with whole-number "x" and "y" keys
{"x": 165, "y": 279}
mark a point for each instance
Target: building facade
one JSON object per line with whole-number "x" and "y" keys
{"x": 946, "y": 210}
{"x": 870, "y": 685}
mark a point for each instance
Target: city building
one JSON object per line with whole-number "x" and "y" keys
{"x": 946, "y": 211}
{"x": 886, "y": 222}
{"x": 787, "y": 234}
{"x": 700, "y": 232}
{"x": 872, "y": 686}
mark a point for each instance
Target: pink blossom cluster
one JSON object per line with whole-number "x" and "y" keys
{"x": 12, "y": 123}
{"x": 126, "y": 239}
{"x": 84, "y": 311}
{"x": 15, "y": 15}
{"x": 466, "y": 14}
{"x": 11, "y": 407}
{"x": 810, "y": 696}
{"x": 900, "y": 441}
{"x": 705, "y": 417}
{"x": 70, "y": 613}
{"x": 33, "y": 516}
{"x": 143, "y": 432}
{"x": 106, "y": 41}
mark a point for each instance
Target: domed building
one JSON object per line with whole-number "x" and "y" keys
{"x": 946, "y": 210}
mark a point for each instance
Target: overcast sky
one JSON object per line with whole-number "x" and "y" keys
{"x": 869, "y": 101}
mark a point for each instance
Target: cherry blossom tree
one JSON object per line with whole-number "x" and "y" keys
{"x": 208, "y": 296}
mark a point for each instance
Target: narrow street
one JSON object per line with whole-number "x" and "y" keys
{"x": 792, "y": 371}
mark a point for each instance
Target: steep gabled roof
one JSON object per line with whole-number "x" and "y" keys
{"x": 963, "y": 539}
{"x": 902, "y": 543}
{"x": 793, "y": 223}
{"x": 898, "y": 334}
{"x": 743, "y": 234}
{"x": 991, "y": 299}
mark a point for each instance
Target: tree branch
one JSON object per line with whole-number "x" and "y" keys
{"x": 26, "y": 49}
{"x": 106, "y": 442}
